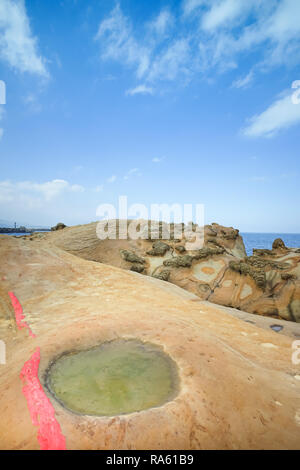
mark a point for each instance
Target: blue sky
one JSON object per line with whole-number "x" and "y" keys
{"x": 165, "y": 101}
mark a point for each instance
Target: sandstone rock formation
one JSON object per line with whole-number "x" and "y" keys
{"x": 238, "y": 386}
{"x": 278, "y": 243}
{"x": 58, "y": 226}
{"x": 266, "y": 283}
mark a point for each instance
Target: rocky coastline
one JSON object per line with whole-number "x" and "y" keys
{"x": 265, "y": 283}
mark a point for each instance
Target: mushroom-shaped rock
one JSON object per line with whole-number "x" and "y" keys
{"x": 137, "y": 267}
{"x": 179, "y": 261}
{"x": 164, "y": 275}
{"x": 278, "y": 243}
{"x": 131, "y": 257}
{"x": 58, "y": 226}
{"x": 159, "y": 248}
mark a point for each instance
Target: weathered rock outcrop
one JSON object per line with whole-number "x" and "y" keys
{"x": 278, "y": 243}
{"x": 266, "y": 283}
{"x": 159, "y": 248}
{"x": 238, "y": 386}
{"x": 58, "y": 226}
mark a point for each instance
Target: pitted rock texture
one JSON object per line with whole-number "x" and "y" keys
{"x": 159, "y": 248}
{"x": 266, "y": 283}
{"x": 59, "y": 226}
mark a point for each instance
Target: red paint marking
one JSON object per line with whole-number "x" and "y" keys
{"x": 19, "y": 313}
{"x": 41, "y": 410}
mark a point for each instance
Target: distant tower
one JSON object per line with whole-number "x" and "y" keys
{"x": 15, "y": 224}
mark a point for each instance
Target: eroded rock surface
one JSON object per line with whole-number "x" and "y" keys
{"x": 238, "y": 386}
{"x": 266, "y": 283}
{"x": 58, "y": 226}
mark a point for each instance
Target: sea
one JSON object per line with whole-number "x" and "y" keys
{"x": 21, "y": 234}
{"x": 265, "y": 240}
{"x": 253, "y": 240}
{"x": 17, "y": 234}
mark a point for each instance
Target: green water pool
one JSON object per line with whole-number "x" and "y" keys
{"x": 117, "y": 377}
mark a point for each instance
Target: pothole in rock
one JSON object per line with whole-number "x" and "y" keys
{"x": 116, "y": 377}
{"x": 276, "y": 328}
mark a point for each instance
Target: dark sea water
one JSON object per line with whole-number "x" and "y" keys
{"x": 21, "y": 234}
{"x": 265, "y": 240}
{"x": 17, "y": 234}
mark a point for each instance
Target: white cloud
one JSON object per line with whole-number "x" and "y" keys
{"x": 189, "y": 6}
{"x": 171, "y": 63}
{"x": 296, "y": 94}
{"x": 115, "y": 34}
{"x": 151, "y": 58}
{"x": 281, "y": 114}
{"x": 140, "y": 89}
{"x": 133, "y": 171}
{"x": 111, "y": 179}
{"x": 77, "y": 188}
{"x": 161, "y": 23}
{"x": 35, "y": 193}
{"x": 243, "y": 82}
{"x": 157, "y": 160}
{"x": 274, "y": 32}
{"x": 1, "y": 132}
{"x": 226, "y": 11}
{"x": 18, "y": 46}
{"x": 284, "y": 23}
{"x": 211, "y": 35}
{"x": 99, "y": 188}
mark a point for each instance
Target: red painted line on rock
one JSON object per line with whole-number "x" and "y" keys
{"x": 19, "y": 313}
{"x": 41, "y": 410}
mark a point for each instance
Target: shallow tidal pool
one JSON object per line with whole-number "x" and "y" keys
{"x": 117, "y": 377}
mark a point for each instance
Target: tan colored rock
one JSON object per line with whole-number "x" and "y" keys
{"x": 278, "y": 243}
{"x": 58, "y": 226}
{"x": 267, "y": 283}
{"x": 238, "y": 385}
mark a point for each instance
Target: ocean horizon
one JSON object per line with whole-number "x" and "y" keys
{"x": 265, "y": 240}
